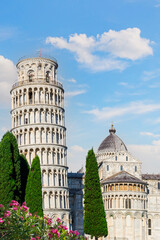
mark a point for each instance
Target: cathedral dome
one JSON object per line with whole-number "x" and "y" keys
{"x": 112, "y": 143}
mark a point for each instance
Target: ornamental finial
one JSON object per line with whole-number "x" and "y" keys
{"x": 112, "y": 129}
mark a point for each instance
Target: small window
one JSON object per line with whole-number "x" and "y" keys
{"x": 121, "y": 168}
{"x": 30, "y": 78}
{"x": 39, "y": 67}
{"x": 135, "y": 168}
{"x": 107, "y": 167}
{"x": 127, "y": 158}
{"x": 116, "y": 158}
{"x": 149, "y": 227}
{"x": 158, "y": 185}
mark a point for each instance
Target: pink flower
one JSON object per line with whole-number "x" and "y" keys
{"x": 76, "y": 233}
{"x": 50, "y": 235}
{"x": 1, "y": 220}
{"x": 58, "y": 220}
{"x": 1, "y": 206}
{"x": 64, "y": 228}
{"x": 32, "y": 238}
{"x": 49, "y": 221}
{"x": 15, "y": 209}
{"x": 24, "y": 204}
{"x": 14, "y": 203}
{"x": 38, "y": 237}
{"x": 7, "y": 214}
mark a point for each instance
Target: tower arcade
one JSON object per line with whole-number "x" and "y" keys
{"x": 38, "y": 124}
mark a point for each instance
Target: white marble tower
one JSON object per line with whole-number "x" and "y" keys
{"x": 38, "y": 124}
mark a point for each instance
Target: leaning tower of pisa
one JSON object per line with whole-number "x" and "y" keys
{"x": 38, "y": 124}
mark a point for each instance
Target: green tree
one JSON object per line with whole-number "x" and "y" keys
{"x": 24, "y": 175}
{"x": 33, "y": 195}
{"x": 94, "y": 214}
{"x": 10, "y": 176}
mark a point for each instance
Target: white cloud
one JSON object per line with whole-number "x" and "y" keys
{"x": 149, "y": 155}
{"x": 72, "y": 80}
{"x": 126, "y": 84}
{"x": 74, "y": 93}
{"x": 149, "y": 134}
{"x": 123, "y": 83}
{"x": 149, "y": 75}
{"x": 125, "y": 44}
{"x": 8, "y": 76}
{"x": 131, "y": 108}
{"x": 156, "y": 142}
{"x": 77, "y": 148}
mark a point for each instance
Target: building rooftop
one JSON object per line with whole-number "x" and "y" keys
{"x": 112, "y": 143}
{"x": 75, "y": 175}
{"x": 123, "y": 177}
{"x": 151, "y": 176}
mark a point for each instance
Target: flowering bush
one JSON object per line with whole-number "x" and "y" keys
{"x": 17, "y": 223}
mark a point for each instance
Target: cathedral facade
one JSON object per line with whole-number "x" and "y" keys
{"x": 131, "y": 199}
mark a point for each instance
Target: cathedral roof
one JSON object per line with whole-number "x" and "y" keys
{"x": 151, "y": 176}
{"x": 112, "y": 143}
{"x": 123, "y": 177}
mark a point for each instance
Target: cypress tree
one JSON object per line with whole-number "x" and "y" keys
{"x": 33, "y": 195}
{"x": 94, "y": 214}
{"x": 24, "y": 175}
{"x": 10, "y": 176}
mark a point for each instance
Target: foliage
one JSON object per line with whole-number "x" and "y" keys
{"x": 94, "y": 215}
{"x": 24, "y": 175}
{"x": 33, "y": 195}
{"x": 17, "y": 223}
{"x": 10, "y": 177}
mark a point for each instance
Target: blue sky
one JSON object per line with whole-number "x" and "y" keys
{"x": 109, "y": 63}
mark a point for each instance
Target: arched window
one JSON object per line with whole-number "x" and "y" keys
{"x": 60, "y": 201}
{"x": 63, "y": 180}
{"x": 58, "y": 158}
{"x": 107, "y": 167}
{"x": 116, "y": 158}
{"x": 126, "y": 203}
{"x": 135, "y": 168}
{"x": 111, "y": 203}
{"x": 64, "y": 199}
{"x": 47, "y": 76}
{"x": 30, "y": 75}
{"x": 121, "y": 168}
{"x": 57, "y": 138}
{"x": 59, "y": 179}
{"x": 25, "y": 138}
{"x": 127, "y": 158}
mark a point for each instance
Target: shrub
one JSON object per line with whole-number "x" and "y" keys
{"x": 17, "y": 223}
{"x": 33, "y": 196}
{"x": 94, "y": 215}
{"x": 24, "y": 176}
{"x": 10, "y": 176}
